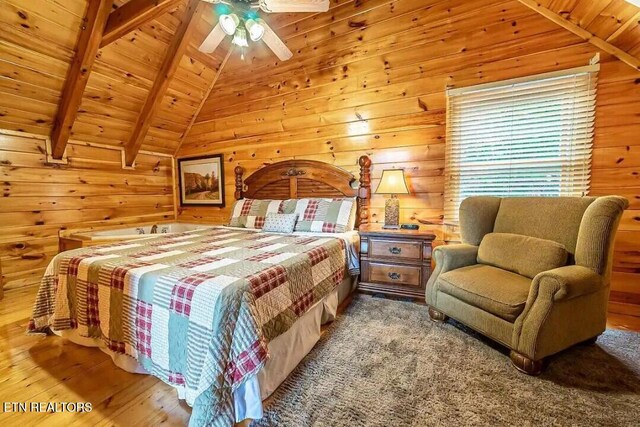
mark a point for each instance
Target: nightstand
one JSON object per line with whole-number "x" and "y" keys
{"x": 394, "y": 262}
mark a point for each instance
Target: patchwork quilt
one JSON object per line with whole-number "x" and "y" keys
{"x": 195, "y": 309}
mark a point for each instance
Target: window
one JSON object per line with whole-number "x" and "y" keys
{"x": 523, "y": 137}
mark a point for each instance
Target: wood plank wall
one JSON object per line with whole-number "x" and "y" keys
{"x": 370, "y": 77}
{"x": 92, "y": 190}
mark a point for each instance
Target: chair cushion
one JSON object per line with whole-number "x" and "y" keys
{"x": 499, "y": 292}
{"x": 524, "y": 255}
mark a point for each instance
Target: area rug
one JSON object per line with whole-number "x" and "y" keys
{"x": 384, "y": 363}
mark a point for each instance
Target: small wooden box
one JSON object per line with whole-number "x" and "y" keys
{"x": 395, "y": 262}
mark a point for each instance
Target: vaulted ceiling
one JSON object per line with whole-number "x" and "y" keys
{"x": 37, "y": 44}
{"x": 40, "y": 38}
{"x": 615, "y": 21}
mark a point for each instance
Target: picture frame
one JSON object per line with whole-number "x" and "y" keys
{"x": 201, "y": 181}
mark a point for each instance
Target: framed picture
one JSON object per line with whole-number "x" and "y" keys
{"x": 202, "y": 181}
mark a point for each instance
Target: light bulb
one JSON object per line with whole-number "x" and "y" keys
{"x": 229, "y": 23}
{"x": 240, "y": 38}
{"x": 255, "y": 28}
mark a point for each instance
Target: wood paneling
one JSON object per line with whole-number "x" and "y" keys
{"x": 133, "y": 14}
{"x": 370, "y": 78}
{"x": 92, "y": 190}
{"x": 37, "y": 44}
{"x": 85, "y": 55}
{"x": 616, "y": 21}
{"x": 169, "y": 66}
{"x": 592, "y": 36}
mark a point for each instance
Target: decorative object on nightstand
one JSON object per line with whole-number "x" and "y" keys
{"x": 394, "y": 262}
{"x": 393, "y": 183}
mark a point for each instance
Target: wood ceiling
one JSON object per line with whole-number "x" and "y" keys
{"x": 602, "y": 23}
{"x": 615, "y": 21}
{"x": 37, "y": 48}
{"x": 139, "y": 85}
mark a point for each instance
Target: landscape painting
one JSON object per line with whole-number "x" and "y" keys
{"x": 202, "y": 181}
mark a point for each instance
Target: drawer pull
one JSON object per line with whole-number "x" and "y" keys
{"x": 395, "y": 250}
{"x": 394, "y": 276}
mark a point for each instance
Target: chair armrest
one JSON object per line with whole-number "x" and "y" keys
{"x": 565, "y": 283}
{"x": 566, "y": 305}
{"x": 451, "y": 257}
{"x": 447, "y": 258}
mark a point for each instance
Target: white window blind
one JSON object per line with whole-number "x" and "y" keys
{"x": 524, "y": 137}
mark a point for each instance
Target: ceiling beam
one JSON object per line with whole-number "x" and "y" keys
{"x": 584, "y": 34}
{"x": 209, "y": 60}
{"x": 93, "y": 25}
{"x": 170, "y": 63}
{"x": 133, "y": 14}
{"x": 206, "y": 96}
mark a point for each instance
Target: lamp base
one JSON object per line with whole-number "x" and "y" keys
{"x": 392, "y": 213}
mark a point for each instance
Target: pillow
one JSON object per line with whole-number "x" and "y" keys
{"x": 325, "y": 215}
{"x": 524, "y": 255}
{"x": 251, "y": 213}
{"x": 280, "y": 223}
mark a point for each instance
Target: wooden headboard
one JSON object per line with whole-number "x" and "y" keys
{"x": 296, "y": 179}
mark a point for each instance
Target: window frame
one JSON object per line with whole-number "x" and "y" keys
{"x": 453, "y": 198}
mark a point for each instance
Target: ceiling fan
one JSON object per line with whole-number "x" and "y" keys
{"x": 239, "y": 18}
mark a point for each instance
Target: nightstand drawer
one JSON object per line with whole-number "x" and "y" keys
{"x": 394, "y": 274}
{"x": 398, "y": 249}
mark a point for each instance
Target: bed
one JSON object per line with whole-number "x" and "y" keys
{"x": 223, "y": 314}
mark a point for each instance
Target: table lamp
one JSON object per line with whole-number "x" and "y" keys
{"x": 392, "y": 182}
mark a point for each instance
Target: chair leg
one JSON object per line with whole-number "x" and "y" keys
{"x": 523, "y": 364}
{"x": 437, "y": 316}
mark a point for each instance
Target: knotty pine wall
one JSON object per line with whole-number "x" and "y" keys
{"x": 92, "y": 190}
{"x": 370, "y": 77}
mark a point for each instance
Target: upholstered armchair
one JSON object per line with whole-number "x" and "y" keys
{"x": 531, "y": 273}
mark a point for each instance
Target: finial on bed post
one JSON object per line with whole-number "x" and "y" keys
{"x": 364, "y": 192}
{"x": 238, "y": 171}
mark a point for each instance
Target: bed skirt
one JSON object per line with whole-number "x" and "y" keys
{"x": 286, "y": 352}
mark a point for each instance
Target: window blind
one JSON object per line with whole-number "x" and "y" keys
{"x": 524, "y": 137}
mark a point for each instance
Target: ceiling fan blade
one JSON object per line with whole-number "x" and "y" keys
{"x": 275, "y": 43}
{"x": 213, "y": 39}
{"x": 278, "y": 6}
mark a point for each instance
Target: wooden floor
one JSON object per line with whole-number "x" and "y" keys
{"x": 50, "y": 369}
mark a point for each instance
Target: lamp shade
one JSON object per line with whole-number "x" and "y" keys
{"x": 255, "y": 28}
{"x": 392, "y": 182}
{"x": 229, "y": 23}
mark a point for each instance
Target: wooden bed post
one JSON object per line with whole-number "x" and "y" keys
{"x": 364, "y": 192}
{"x": 238, "y": 171}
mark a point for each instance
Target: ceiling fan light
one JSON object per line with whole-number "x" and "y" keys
{"x": 240, "y": 38}
{"x": 229, "y": 23}
{"x": 255, "y": 29}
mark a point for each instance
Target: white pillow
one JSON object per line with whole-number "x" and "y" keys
{"x": 280, "y": 223}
